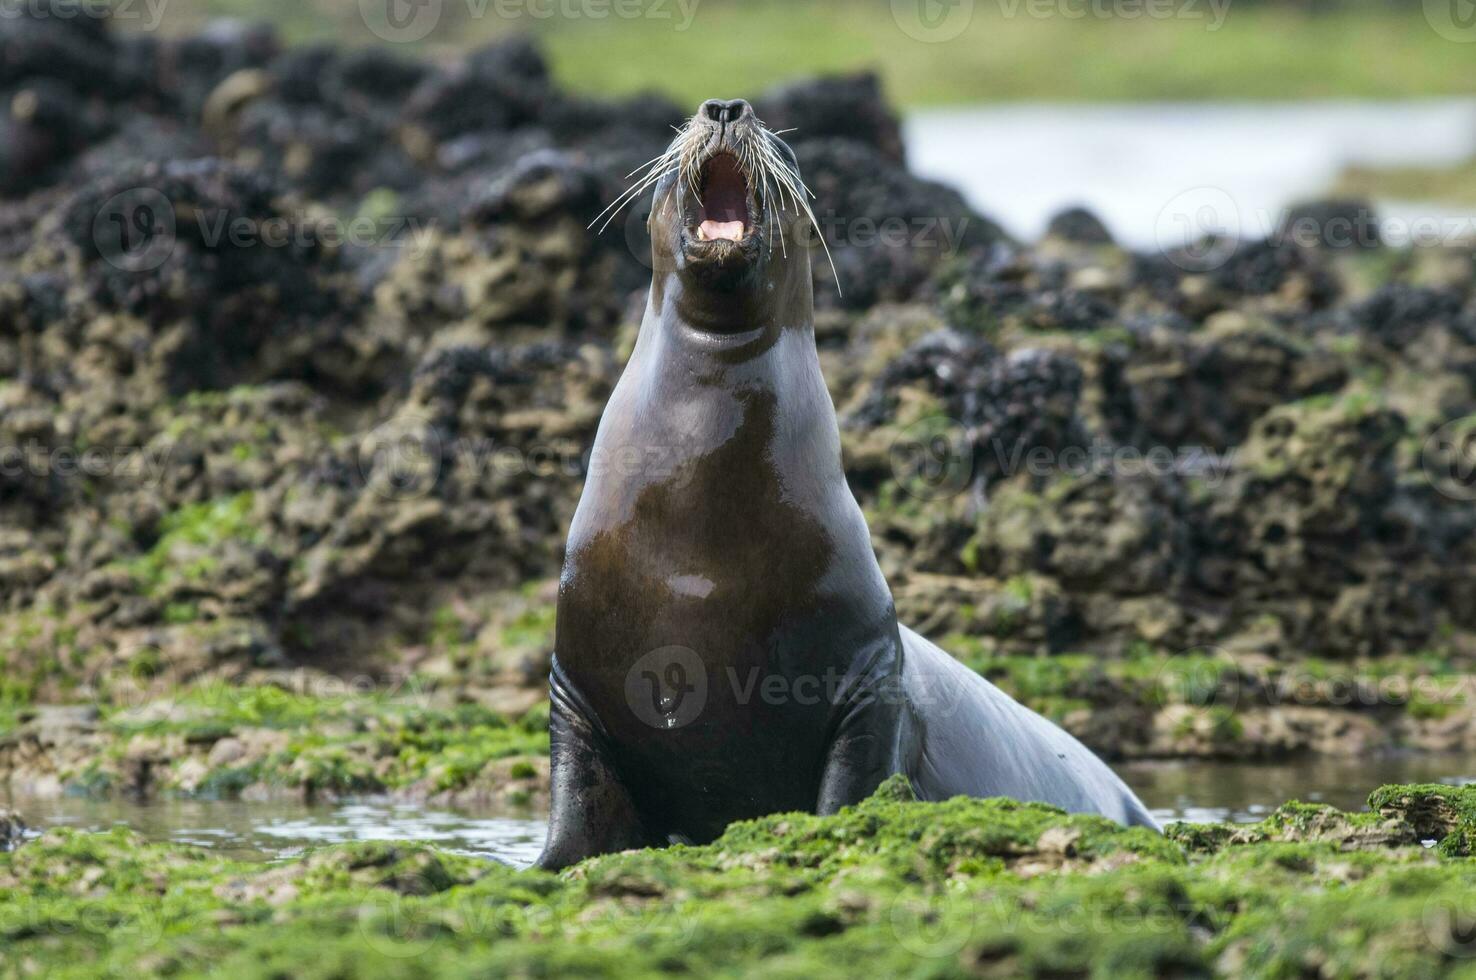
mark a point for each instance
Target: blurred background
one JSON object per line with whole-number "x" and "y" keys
{"x": 1268, "y": 100}
{"x": 1150, "y": 331}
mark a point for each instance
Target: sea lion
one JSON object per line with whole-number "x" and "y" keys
{"x": 726, "y": 645}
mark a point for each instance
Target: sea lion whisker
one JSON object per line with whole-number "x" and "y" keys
{"x": 756, "y": 165}
{"x": 652, "y": 178}
{"x": 797, "y": 190}
{"x": 783, "y": 175}
{"x": 629, "y": 192}
{"x": 772, "y": 200}
{"x": 660, "y": 166}
{"x": 660, "y": 156}
{"x": 791, "y": 180}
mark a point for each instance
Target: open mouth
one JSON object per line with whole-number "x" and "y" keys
{"x": 724, "y": 214}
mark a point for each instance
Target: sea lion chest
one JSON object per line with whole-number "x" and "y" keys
{"x": 706, "y": 613}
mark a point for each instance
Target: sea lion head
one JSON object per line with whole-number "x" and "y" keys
{"x": 730, "y": 225}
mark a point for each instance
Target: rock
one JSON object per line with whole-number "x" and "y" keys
{"x": 41, "y": 127}
{"x": 497, "y": 88}
{"x": 191, "y": 68}
{"x": 1205, "y": 389}
{"x": 1433, "y": 812}
{"x": 356, "y": 453}
{"x": 66, "y": 43}
{"x": 887, "y": 230}
{"x": 995, "y": 291}
{"x": 1079, "y": 226}
{"x": 54, "y": 720}
{"x": 12, "y": 829}
{"x": 846, "y": 107}
{"x": 1399, "y": 315}
{"x": 1016, "y": 411}
{"x": 1271, "y": 267}
{"x": 1335, "y": 223}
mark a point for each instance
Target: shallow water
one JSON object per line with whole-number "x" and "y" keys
{"x": 1161, "y": 174}
{"x": 1195, "y": 791}
{"x": 1242, "y": 792}
{"x": 266, "y": 831}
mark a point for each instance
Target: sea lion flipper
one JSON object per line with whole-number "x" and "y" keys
{"x": 591, "y": 811}
{"x": 976, "y": 740}
{"x": 864, "y": 747}
{"x": 855, "y": 766}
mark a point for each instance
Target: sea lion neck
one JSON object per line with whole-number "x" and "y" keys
{"x": 687, "y": 387}
{"x": 732, "y": 325}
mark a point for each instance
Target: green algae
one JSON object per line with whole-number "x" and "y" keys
{"x": 305, "y": 744}
{"x": 189, "y": 539}
{"x": 889, "y": 887}
{"x": 1437, "y": 812}
{"x": 1424, "y": 685}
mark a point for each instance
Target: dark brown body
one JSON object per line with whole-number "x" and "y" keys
{"x": 748, "y": 550}
{"x": 726, "y": 643}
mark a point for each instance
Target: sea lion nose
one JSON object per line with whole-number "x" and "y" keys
{"x": 726, "y": 110}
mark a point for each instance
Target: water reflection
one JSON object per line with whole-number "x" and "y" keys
{"x": 269, "y": 831}
{"x": 1243, "y": 792}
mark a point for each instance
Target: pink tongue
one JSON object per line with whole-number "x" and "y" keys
{"x": 731, "y": 230}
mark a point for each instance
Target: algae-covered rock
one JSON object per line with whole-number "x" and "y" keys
{"x": 888, "y": 887}
{"x": 12, "y": 829}
{"x": 1446, "y": 814}
{"x": 1304, "y": 822}
{"x": 302, "y": 350}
